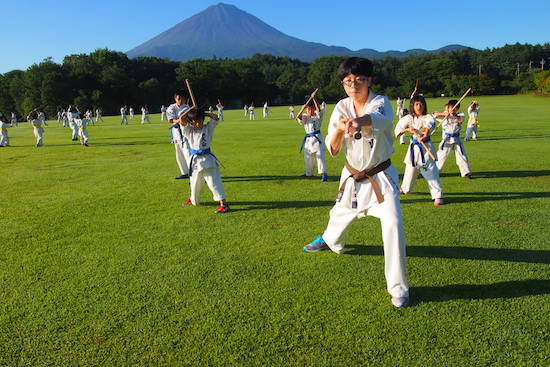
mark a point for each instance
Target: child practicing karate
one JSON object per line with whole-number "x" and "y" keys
{"x": 163, "y": 113}
{"x": 220, "y": 107}
{"x": 451, "y": 124}
{"x": 312, "y": 144}
{"x": 123, "y": 118}
{"x": 204, "y": 166}
{"x": 72, "y": 114}
{"x": 82, "y": 123}
{"x": 4, "y": 125}
{"x": 421, "y": 154}
{"x": 180, "y": 142}
{"x": 38, "y": 127}
{"x": 473, "y": 124}
{"x": 145, "y": 115}
{"x": 362, "y": 125}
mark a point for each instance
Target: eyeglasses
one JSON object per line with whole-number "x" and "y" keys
{"x": 351, "y": 82}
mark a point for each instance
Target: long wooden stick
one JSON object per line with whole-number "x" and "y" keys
{"x": 191, "y": 92}
{"x": 425, "y": 146}
{"x": 456, "y": 104}
{"x": 304, "y": 106}
{"x": 415, "y": 88}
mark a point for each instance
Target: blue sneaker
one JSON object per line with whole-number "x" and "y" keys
{"x": 324, "y": 178}
{"x": 317, "y": 245}
{"x": 181, "y": 177}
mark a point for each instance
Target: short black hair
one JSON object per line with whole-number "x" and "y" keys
{"x": 356, "y": 66}
{"x": 452, "y": 102}
{"x": 418, "y": 98}
{"x": 181, "y": 93}
{"x": 195, "y": 115}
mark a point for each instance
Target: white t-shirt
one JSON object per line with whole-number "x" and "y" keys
{"x": 174, "y": 112}
{"x": 201, "y": 139}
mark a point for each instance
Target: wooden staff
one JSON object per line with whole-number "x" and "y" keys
{"x": 304, "y": 106}
{"x": 415, "y": 88}
{"x": 425, "y": 146}
{"x": 456, "y": 104}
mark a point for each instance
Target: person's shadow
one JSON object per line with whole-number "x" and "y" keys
{"x": 506, "y": 289}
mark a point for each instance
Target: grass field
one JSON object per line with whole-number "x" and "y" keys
{"x": 101, "y": 265}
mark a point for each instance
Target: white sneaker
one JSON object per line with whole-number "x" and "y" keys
{"x": 400, "y": 302}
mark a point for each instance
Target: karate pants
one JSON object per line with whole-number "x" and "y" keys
{"x": 213, "y": 179}
{"x": 252, "y": 117}
{"x": 315, "y": 159}
{"x": 471, "y": 132}
{"x": 4, "y": 138}
{"x": 145, "y": 118}
{"x": 124, "y": 119}
{"x": 74, "y": 130}
{"x": 393, "y": 237}
{"x": 266, "y": 113}
{"x": 182, "y": 157}
{"x": 461, "y": 158}
{"x": 39, "y": 134}
{"x": 163, "y": 116}
{"x": 292, "y": 116}
{"x": 83, "y": 134}
{"x": 430, "y": 174}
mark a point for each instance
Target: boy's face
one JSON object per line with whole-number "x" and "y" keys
{"x": 179, "y": 100}
{"x": 356, "y": 86}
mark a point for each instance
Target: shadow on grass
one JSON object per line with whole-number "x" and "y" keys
{"x": 274, "y": 178}
{"x": 514, "y": 137}
{"x": 460, "y": 252}
{"x": 510, "y": 289}
{"x": 467, "y": 197}
{"x": 238, "y": 206}
{"x": 502, "y": 174}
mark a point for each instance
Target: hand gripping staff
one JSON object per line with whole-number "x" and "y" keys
{"x": 418, "y": 138}
{"x": 305, "y": 104}
{"x": 456, "y": 104}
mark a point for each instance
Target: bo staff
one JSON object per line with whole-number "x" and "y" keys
{"x": 309, "y": 99}
{"x": 415, "y": 88}
{"x": 456, "y": 104}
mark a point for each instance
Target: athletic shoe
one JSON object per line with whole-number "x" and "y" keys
{"x": 401, "y": 192}
{"x": 324, "y": 178}
{"x": 400, "y": 302}
{"x": 468, "y": 176}
{"x": 438, "y": 202}
{"x": 222, "y": 209}
{"x": 316, "y": 245}
{"x": 181, "y": 177}
{"x": 187, "y": 202}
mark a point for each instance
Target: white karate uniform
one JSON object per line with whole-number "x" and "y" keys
{"x": 131, "y": 113}
{"x": 417, "y": 158}
{"x": 38, "y": 130}
{"x": 266, "y": 110}
{"x": 123, "y": 118}
{"x": 82, "y": 129}
{"x": 220, "y": 113}
{"x": 367, "y": 153}
{"x": 71, "y": 116}
{"x": 451, "y": 142}
{"x": 291, "y": 116}
{"x": 313, "y": 146}
{"x": 42, "y": 117}
{"x": 163, "y": 114}
{"x": 4, "y": 138}
{"x": 399, "y": 112}
{"x": 90, "y": 117}
{"x": 251, "y": 113}
{"x": 245, "y": 110}
{"x": 59, "y": 117}
{"x": 14, "y": 119}
{"x": 144, "y": 115}
{"x": 471, "y": 128}
{"x": 180, "y": 142}
{"x": 204, "y": 167}
{"x": 98, "y": 115}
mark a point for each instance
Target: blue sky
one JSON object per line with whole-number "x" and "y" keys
{"x": 32, "y": 30}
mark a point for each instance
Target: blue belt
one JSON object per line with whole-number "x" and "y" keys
{"x": 197, "y": 152}
{"x": 414, "y": 142}
{"x": 449, "y": 135}
{"x": 311, "y": 135}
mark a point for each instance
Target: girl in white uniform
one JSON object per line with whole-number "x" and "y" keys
{"x": 312, "y": 143}
{"x": 451, "y": 139}
{"x": 145, "y": 115}
{"x": 181, "y": 144}
{"x": 420, "y": 125}
{"x": 38, "y": 127}
{"x": 473, "y": 124}
{"x": 204, "y": 166}
{"x": 4, "y": 125}
{"x": 362, "y": 124}
{"x": 72, "y": 114}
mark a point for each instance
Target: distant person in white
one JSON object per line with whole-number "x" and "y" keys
{"x": 38, "y": 127}
{"x": 14, "y": 119}
{"x": 72, "y": 113}
{"x": 89, "y": 116}
{"x": 4, "y": 125}
{"x": 473, "y": 124}
{"x": 251, "y": 112}
{"x": 98, "y": 115}
{"x": 145, "y": 115}
{"x": 42, "y": 117}
{"x": 245, "y": 110}
{"x": 163, "y": 114}
{"x": 181, "y": 144}
{"x": 220, "y": 107}
{"x": 131, "y": 111}
{"x": 82, "y": 123}
{"x": 291, "y": 114}
{"x": 266, "y": 110}
{"x": 123, "y": 118}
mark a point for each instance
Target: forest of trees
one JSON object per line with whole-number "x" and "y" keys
{"x": 110, "y": 79}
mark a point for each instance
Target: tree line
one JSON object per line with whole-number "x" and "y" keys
{"x": 109, "y": 79}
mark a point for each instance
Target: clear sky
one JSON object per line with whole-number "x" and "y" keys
{"x": 32, "y": 30}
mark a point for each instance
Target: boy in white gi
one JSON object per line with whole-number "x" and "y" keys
{"x": 72, "y": 114}
{"x": 123, "y": 118}
{"x": 145, "y": 115}
{"x": 98, "y": 115}
{"x": 451, "y": 125}
{"x": 312, "y": 144}
{"x": 219, "y": 106}
{"x": 362, "y": 124}
{"x": 4, "y": 125}
{"x": 204, "y": 166}
{"x": 291, "y": 115}
{"x": 14, "y": 119}
{"x": 421, "y": 152}
{"x": 82, "y": 124}
{"x": 131, "y": 111}
{"x": 90, "y": 117}
{"x": 251, "y": 112}
{"x": 181, "y": 144}
{"x": 37, "y": 123}
{"x": 473, "y": 124}
{"x": 266, "y": 110}
{"x": 163, "y": 114}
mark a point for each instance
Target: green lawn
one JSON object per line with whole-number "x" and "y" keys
{"x": 101, "y": 265}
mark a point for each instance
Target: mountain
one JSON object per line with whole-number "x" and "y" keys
{"x": 225, "y": 31}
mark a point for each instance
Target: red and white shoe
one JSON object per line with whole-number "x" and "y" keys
{"x": 222, "y": 209}
{"x": 439, "y": 201}
{"x": 187, "y": 202}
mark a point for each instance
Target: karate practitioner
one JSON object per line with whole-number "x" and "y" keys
{"x": 42, "y": 117}
{"x": 98, "y": 115}
{"x": 362, "y": 125}
{"x": 82, "y": 124}
{"x": 266, "y": 110}
{"x": 181, "y": 144}
{"x": 90, "y": 117}
{"x": 204, "y": 166}
{"x": 420, "y": 124}
{"x": 65, "y": 118}
{"x": 145, "y": 115}
{"x": 38, "y": 127}
{"x": 131, "y": 112}
{"x": 163, "y": 114}
{"x": 451, "y": 139}
{"x": 473, "y": 124}
{"x": 14, "y": 119}
{"x": 59, "y": 116}
{"x": 291, "y": 115}
{"x": 123, "y": 118}
{"x": 4, "y": 125}
{"x": 312, "y": 144}
{"x": 251, "y": 112}
{"x": 220, "y": 107}
{"x": 72, "y": 114}
{"x": 245, "y": 110}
